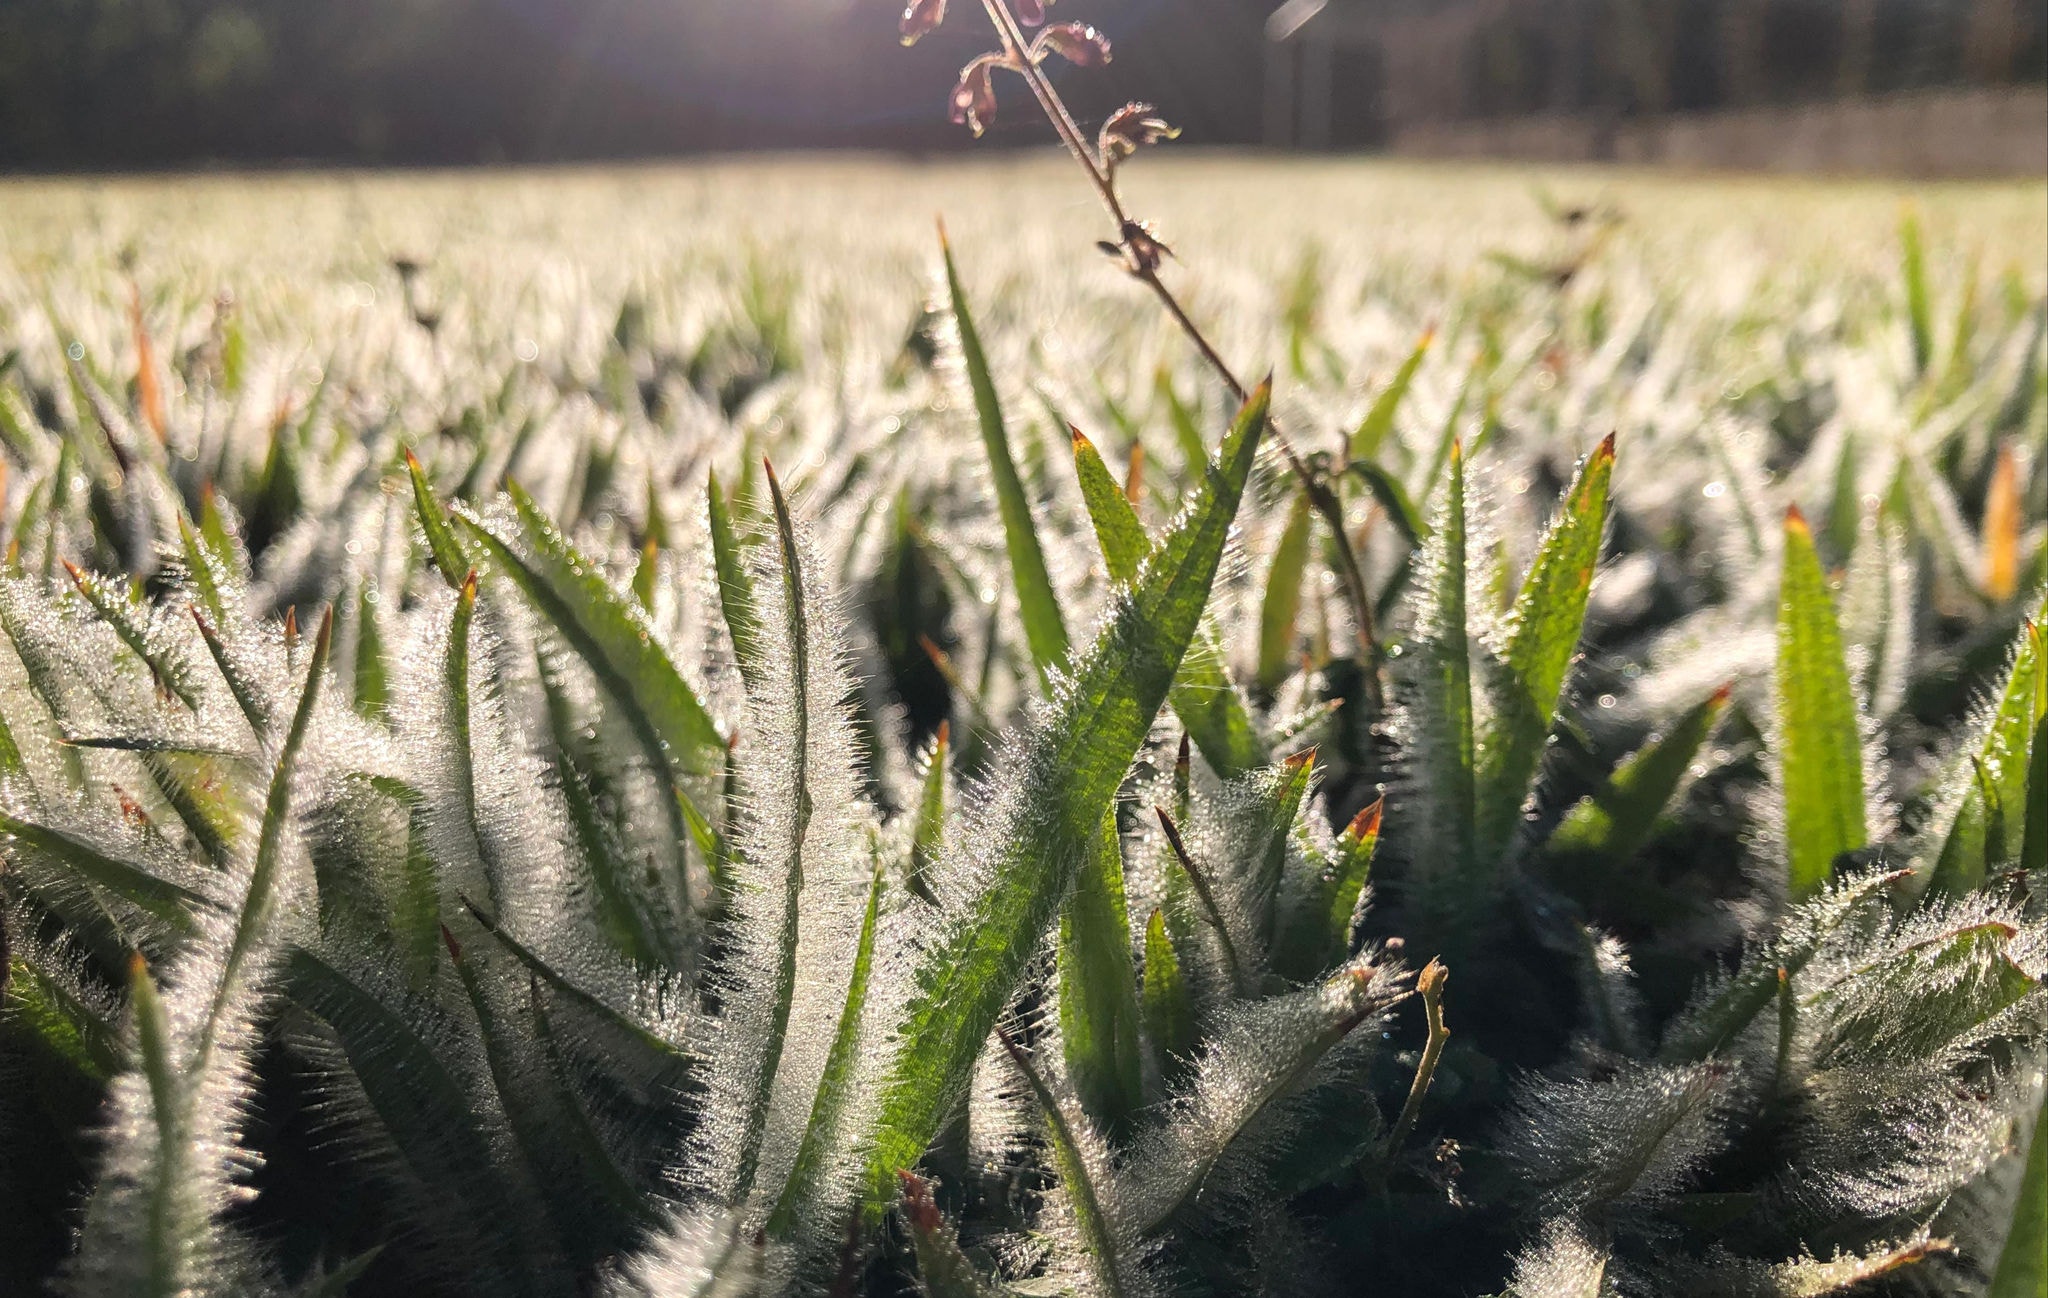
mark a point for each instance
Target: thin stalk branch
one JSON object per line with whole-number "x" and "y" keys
{"x": 1326, "y": 502}
{"x": 1430, "y": 982}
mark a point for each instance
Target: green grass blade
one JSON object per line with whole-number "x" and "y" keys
{"x": 260, "y": 904}
{"x": 372, "y": 673}
{"x": 1098, "y": 1002}
{"x": 1542, "y": 639}
{"x": 2022, "y": 1267}
{"x": 1099, "y": 1239}
{"x": 797, "y": 631}
{"x": 1394, "y": 499}
{"x": 1820, "y": 757}
{"x": 1919, "y": 307}
{"x": 1280, "y": 609}
{"x": 835, "y": 1086}
{"x": 1373, "y": 430}
{"x": 49, "y": 1008}
{"x": 210, "y": 578}
{"x": 1617, "y": 820}
{"x": 1169, "y": 1009}
{"x": 1437, "y": 716}
{"x": 1037, "y": 602}
{"x": 609, "y": 632}
{"x": 1067, "y": 771}
{"x": 130, "y": 622}
{"x": 1117, "y": 529}
{"x": 1203, "y": 695}
{"x": 446, "y": 552}
{"x": 166, "y": 900}
{"x": 1988, "y": 827}
{"x": 2034, "y": 841}
{"x": 928, "y": 836}
{"x": 166, "y": 1244}
{"x": 735, "y": 586}
{"x": 1730, "y": 1008}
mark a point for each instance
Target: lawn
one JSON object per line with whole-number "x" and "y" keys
{"x": 677, "y": 730}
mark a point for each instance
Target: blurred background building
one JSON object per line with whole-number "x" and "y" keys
{"x": 114, "y": 83}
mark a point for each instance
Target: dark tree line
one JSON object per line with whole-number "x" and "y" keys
{"x": 90, "y": 83}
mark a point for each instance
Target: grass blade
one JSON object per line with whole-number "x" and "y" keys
{"x": 1077, "y": 1173}
{"x": 1986, "y": 827}
{"x": 783, "y": 991}
{"x": 1373, "y": 430}
{"x": 2022, "y": 1268}
{"x": 735, "y": 586}
{"x": 1542, "y": 639}
{"x": 1616, "y": 821}
{"x": 1169, "y": 1009}
{"x": 1037, "y": 602}
{"x": 1820, "y": 757}
{"x": 1280, "y": 610}
{"x": 834, "y": 1096}
{"x": 1066, "y": 771}
{"x": 1098, "y": 989}
{"x": 442, "y": 547}
{"x": 1208, "y": 703}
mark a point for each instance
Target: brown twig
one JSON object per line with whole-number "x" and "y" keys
{"x": 1430, "y": 982}
{"x": 1144, "y": 268}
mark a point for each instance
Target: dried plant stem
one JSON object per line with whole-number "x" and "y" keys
{"x": 1430, "y": 982}
{"x": 1325, "y": 501}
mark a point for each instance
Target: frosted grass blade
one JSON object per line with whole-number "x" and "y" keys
{"x": 1037, "y": 602}
{"x": 1820, "y": 750}
{"x": 1204, "y": 697}
{"x": 1542, "y": 639}
{"x": 1617, "y": 820}
{"x": 1373, "y": 430}
{"x": 1987, "y": 826}
{"x": 735, "y": 586}
{"x": 1067, "y": 769}
{"x": 1098, "y": 1002}
{"x": 1280, "y": 610}
{"x": 2022, "y": 1267}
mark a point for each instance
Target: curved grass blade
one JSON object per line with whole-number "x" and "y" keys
{"x": 1542, "y": 639}
{"x": 735, "y": 587}
{"x": 117, "y": 610}
{"x": 1258, "y": 1056}
{"x": 1373, "y": 430}
{"x": 1726, "y": 1011}
{"x": 1820, "y": 757}
{"x": 1987, "y": 826}
{"x": 1169, "y": 1011}
{"x": 1037, "y": 602}
{"x": 1280, "y": 610}
{"x": 168, "y": 901}
{"x": 1208, "y": 703}
{"x": 1394, "y": 499}
{"x": 2022, "y": 1267}
{"x": 828, "y": 1109}
{"x": 1617, "y": 820}
{"x": 610, "y": 633}
{"x": 1098, "y": 1001}
{"x": 783, "y": 991}
{"x": 442, "y": 547}
{"x": 1077, "y": 1176}
{"x": 1067, "y": 771}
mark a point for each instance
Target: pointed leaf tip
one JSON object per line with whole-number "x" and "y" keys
{"x": 1366, "y": 824}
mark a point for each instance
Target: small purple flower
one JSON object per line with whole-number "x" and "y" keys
{"x": 919, "y": 17}
{"x": 1077, "y": 43}
{"x": 1030, "y": 12}
{"x": 1129, "y": 129}
{"x": 974, "y": 98}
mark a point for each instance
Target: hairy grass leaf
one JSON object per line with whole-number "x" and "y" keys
{"x": 1820, "y": 748}
{"x": 1067, "y": 768}
{"x": 1037, "y": 602}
